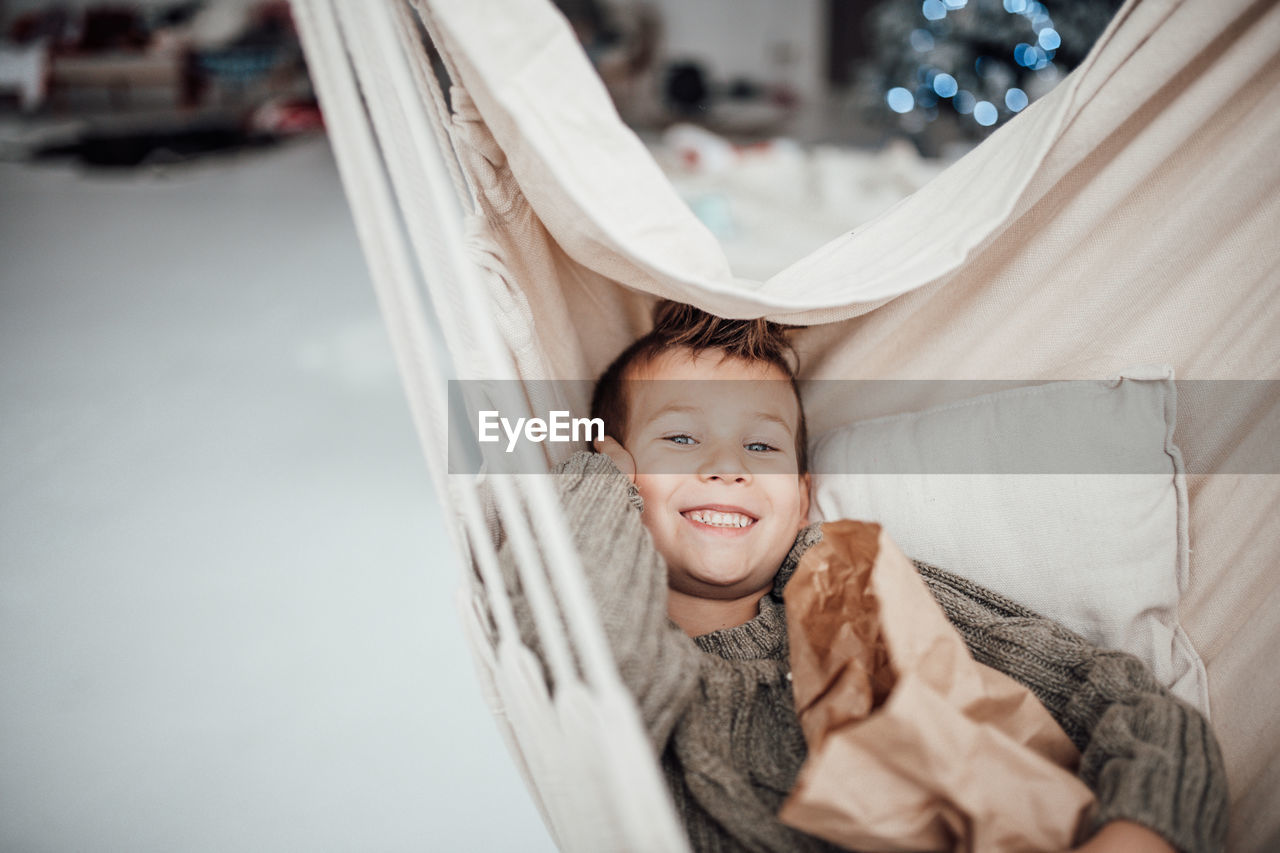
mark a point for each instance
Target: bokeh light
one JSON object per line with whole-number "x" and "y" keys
{"x": 1030, "y": 56}
{"x": 900, "y": 100}
{"x": 1038, "y": 15}
{"x": 1005, "y": 84}
{"x": 922, "y": 40}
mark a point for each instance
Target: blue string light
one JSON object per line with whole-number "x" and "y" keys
{"x": 900, "y": 100}
{"x": 933, "y": 84}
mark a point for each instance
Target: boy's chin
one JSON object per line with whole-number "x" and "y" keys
{"x": 721, "y": 582}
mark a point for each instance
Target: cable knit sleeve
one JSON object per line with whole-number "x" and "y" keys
{"x": 628, "y": 580}
{"x": 1149, "y": 757}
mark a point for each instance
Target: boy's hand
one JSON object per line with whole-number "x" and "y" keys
{"x": 1122, "y": 836}
{"x": 619, "y": 454}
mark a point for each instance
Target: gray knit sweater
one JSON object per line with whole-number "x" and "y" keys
{"x": 720, "y": 712}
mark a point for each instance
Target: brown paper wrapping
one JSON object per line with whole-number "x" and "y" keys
{"x": 913, "y": 745}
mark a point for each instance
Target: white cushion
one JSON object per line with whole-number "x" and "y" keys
{"x": 1067, "y": 497}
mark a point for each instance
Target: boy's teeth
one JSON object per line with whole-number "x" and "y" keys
{"x": 719, "y": 519}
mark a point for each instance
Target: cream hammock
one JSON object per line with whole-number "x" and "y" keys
{"x": 1130, "y": 216}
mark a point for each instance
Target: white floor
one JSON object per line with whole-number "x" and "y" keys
{"x": 226, "y": 612}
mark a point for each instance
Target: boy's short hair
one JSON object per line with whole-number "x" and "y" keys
{"x": 679, "y": 326}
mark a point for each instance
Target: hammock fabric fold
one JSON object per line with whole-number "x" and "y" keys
{"x": 1128, "y": 217}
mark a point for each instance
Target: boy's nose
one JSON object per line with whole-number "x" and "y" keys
{"x": 724, "y": 467}
{"x": 728, "y": 478}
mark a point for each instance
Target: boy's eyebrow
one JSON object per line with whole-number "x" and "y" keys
{"x": 680, "y": 409}
{"x": 675, "y": 409}
{"x": 770, "y": 416}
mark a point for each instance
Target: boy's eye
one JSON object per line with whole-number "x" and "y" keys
{"x": 759, "y": 447}
{"x": 680, "y": 439}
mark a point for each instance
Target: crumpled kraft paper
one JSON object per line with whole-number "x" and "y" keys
{"x": 913, "y": 745}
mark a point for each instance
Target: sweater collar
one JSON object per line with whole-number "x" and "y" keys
{"x": 764, "y": 636}
{"x": 805, "y": 539}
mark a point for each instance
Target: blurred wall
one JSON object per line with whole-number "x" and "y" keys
{"x": 764, "y": 40}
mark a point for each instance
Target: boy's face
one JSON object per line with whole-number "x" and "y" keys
{"x": 716, "y": 465}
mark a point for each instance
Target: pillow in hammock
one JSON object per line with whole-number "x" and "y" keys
{"x": 1067, "y": 497}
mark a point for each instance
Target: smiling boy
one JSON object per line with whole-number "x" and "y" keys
{"x": 689, "y": 523}
{"x": 713, "y": 447}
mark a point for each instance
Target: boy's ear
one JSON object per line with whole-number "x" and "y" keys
{"x": 621, "y": 457}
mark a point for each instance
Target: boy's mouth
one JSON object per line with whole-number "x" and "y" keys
{"x": 725, "y": 517}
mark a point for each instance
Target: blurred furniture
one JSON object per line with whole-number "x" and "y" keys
{"x": 263, "y": 59}
{"x": 24, "y": 72}
{"x": 121, "y": 73}
{"x": 239, "y": 54}
{"x": 104, "y": 47}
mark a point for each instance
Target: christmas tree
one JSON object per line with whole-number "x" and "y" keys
{"x": 972, "y": 63}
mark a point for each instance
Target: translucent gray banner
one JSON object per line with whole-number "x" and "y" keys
{"x": 1121, "y": 426}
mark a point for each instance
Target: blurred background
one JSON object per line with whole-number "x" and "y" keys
{"x": 227, "y": 614}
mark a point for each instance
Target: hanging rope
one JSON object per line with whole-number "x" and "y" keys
{"x": 583, "y": 749}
